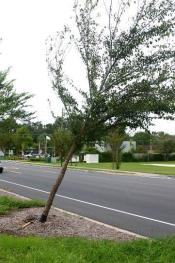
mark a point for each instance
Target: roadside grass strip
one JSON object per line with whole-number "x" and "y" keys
{"x": 164, "y": 168}
{"x": 70, "y": 250}
{"x": 8, "y": 203}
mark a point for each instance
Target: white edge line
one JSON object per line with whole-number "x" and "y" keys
{"x": 93, "y": 204}
{"x": 15, "y": 172}
{"x": 17, "y": 195}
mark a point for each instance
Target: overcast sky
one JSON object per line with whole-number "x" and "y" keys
{"x": 24, "y": 27}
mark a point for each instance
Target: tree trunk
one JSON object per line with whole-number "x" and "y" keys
{"x": 55, "y": 187}
{"x": 113, "y": 159}
{"x": 118, "y": 157}
{"x": 22, "y": 151}
{"x": 61, "y": 159}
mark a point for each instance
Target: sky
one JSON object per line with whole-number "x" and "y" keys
{"x": 24, "y": 28}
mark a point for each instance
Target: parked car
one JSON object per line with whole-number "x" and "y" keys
{"x": 1, "y": 167}
{"x": 28, "y": 155}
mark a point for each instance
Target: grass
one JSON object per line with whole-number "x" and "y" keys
{"x": 76, "y": 250}
{"x": 133, "y": 167}
{"x": 149, "y": 168}
{"x": 8, "y": 203}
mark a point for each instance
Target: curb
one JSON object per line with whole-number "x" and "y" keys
{"x": 16, "y": 195}
{"x": 77, "y": 215}
{"x": 103, "y": 224}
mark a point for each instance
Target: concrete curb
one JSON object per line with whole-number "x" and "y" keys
{"x": 74, "y": 214}
{"x": 16, "y": 195}
{"x": 103, "y": 224}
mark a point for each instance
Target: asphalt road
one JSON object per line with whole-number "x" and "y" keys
{"x": 141, "y": 204}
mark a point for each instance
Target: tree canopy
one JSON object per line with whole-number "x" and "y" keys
{"x": 142, "y": 138}
{"x": 13, "y": 104}
{"x": 129, "y": 70}
{"x": 23, "y": 139}
{"x": 129, "y": 65}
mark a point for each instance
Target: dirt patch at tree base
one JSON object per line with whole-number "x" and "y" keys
{"x": 59, "y": 223}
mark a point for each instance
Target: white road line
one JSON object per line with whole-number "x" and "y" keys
{"x": 93, "y": 204}
{"x": 157, "y": 177}
{"x": 24, "y": 186}
{"x": 5, "y": 167}
{"x": 37, "y": 171}
{"x": 41, "y": 171}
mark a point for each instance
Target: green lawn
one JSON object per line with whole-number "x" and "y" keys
{"x": 75, "y": 250}
{"x": 139, "y": 167}
{"x": 133, "y": 166}
{"x": 8, "y": 203}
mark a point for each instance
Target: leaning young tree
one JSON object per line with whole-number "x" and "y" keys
{"x": 129, "y": 62}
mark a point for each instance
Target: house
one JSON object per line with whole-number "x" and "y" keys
{"x": 127, "y": 146}
{"x": 1, "y": 154}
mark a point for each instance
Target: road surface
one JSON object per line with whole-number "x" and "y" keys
{"x": 141, "y": 204}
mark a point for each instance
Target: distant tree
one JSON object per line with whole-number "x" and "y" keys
{"x": 12, "y": 104}
{"x": 36, "y": 129}
{"x": 129, "y": 70}
{"x": 7, "y": 130}
{"x": 167, "y": 147}
{"x": 23, "y": 139}
{"x": 38, "y": 132}
{"x": 62, "y": 140}
{"x": 159, "y": 137}
{"x": 115, "y": 138}
{"x": 49, "y": 128}
{"x": 6, "y": 142}
{"x": 164, "y": 143}
{"x": 90, "y": 149}
{"x": 142, "y": 138}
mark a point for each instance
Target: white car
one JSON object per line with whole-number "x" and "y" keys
{"x": 1, "y": 167}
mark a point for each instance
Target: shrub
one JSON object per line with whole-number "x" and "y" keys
{"x": 171, "y": 157}
{"x": 105, "y": 157}
{"x": 156, "y": 157}
{"x": 90, "y": 150}
{"x": 13, "y": 157}
{"x": 33, "y": 159}
{"x": 128, "y": 157}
